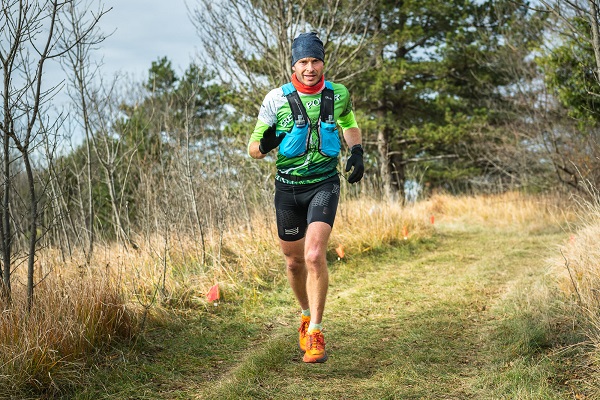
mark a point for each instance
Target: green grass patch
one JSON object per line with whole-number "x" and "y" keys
{"x": 465, "y": 315}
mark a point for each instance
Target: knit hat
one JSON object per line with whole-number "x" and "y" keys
{"x": 307, "y": 45}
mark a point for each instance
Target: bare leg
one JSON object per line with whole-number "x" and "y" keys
{"x": 296, "y": 269}
{"x": 317, "y": 278}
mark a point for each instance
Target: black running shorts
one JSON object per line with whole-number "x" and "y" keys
{"x": 299, "y": 205}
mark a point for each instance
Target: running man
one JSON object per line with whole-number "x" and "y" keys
{"x": 301, "y": 118}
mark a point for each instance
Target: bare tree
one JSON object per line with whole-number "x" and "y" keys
{"x": 569, "y": 140}
{"x": 115, "y": 160}
{"x": 585, "y": 10}
{"x": 79, "y": 66}
{"x": 30, "y": 36}
{"x": 251, "y": 40}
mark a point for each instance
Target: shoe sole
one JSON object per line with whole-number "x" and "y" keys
{"x": 315, "y": 360}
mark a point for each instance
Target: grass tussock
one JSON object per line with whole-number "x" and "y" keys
{"x": 42, "y": 351}
{"x": 528, "y": 213}
{"x": 576, "y": 268}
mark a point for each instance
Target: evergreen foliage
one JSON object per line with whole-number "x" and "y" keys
{"x": 438, "y": 85}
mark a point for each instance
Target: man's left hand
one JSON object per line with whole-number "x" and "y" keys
{"x": 356, "y": 161}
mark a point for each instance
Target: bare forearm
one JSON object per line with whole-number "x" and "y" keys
{"x": 352, "y": 136}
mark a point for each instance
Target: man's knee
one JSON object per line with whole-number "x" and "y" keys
{"x": 295, "y": 264}
{"x": 315, "y": 259}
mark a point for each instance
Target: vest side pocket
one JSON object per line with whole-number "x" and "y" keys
{"x": 295, "y": 143}
{"x": 330, "y": 144}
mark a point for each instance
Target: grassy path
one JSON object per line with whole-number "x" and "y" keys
{"x": 466, "y": 315}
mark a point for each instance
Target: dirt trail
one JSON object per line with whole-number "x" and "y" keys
{"x": 450, "y": 318}
{"x": 416, "y": 322}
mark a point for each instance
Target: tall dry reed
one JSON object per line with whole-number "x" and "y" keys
{"x": 577, "y": 264}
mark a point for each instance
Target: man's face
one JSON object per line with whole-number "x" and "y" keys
{"x": 309, "y": 70}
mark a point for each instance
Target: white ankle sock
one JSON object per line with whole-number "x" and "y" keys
{"x": 315, "y": 327}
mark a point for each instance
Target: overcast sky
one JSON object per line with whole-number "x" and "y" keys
{"x": 145, "y": 30}
{"x": 142, "y": 31}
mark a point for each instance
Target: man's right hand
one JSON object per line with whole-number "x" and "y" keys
{"x": 270, "y": 140}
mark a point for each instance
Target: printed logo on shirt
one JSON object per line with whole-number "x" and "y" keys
{"x": 287, "y": 120}
{"x": 313, "y": 103}
{"x": 317, "y": 102}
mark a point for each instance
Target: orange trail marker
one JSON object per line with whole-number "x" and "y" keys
{"x": 213, "y": 293}
{"x": 432, "y": 219}
{"x": 405, "y": 232}
{"x": 340, "y": 251}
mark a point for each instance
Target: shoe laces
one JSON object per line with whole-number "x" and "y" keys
{"x": 304, "y": 326}
{"x": 316, "y": 341}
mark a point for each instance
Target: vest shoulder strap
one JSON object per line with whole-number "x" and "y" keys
{"x": 288, "y": 88}
{"x": 298, "y": 110}
{"x": 327, "y": 104}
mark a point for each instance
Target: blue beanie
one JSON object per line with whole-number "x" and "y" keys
{"x": 307, "y": 45}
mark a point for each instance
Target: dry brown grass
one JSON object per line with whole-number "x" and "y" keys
{"x": 506, "y": 211}
{"x": 362, "y": 225}
{"x": 80, "y": 309}
{"x": 76, "y": 313}
{"x": 577, "y": 264}
{"x": 576, "y": 268}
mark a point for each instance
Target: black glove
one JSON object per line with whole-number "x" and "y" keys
{"x": 356, "y": 161}
{"x": 270, "y": 140}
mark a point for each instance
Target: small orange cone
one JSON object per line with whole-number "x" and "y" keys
{"x": 405, "y": 232}
{"x": 340, "y": 251}
{"x": 213, "y": 293}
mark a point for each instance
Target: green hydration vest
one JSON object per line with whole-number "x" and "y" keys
{"x": 295, "y": 143}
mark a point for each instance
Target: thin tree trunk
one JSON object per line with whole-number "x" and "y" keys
{"x": 6, "y": 231}
{"x": 192, "y": 193}
{"x": 398, "y": 175}
{"x": 593, "y": 18}
{"x": 391, "y": 166}
{"x": 118, "y": 225}
{"x": 57, "y": 199}
{"x": 89, "y": 220}
{"x": 32, "y": 230}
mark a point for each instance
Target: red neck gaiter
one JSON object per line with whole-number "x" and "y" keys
{"x": 301, "y": 87}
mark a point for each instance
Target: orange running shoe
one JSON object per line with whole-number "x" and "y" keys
{"x": 315, "y": 348}
{"x": 302, "y": 332}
